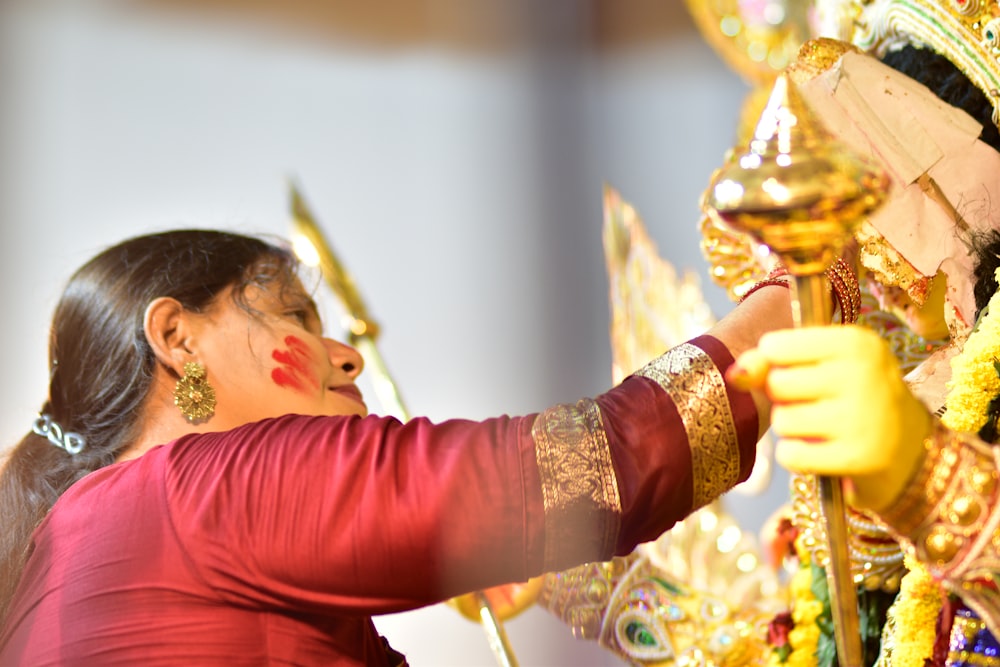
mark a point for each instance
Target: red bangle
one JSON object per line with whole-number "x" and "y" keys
{"x": 846, "y": 291}
{"x": 844, "y": 287}
{"x": 764, "y": 283}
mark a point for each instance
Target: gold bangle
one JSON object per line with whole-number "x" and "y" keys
{"x": 906, "y": 514}
{"x": 770, "y": 280}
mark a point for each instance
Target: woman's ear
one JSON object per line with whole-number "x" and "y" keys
{"x": 167, "y": 330}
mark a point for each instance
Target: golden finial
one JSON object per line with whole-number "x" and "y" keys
{"x": 796, "y": 189}
{"x": 800, "y": 192}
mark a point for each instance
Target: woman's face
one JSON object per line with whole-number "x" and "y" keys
{"x": 271, "y": 359}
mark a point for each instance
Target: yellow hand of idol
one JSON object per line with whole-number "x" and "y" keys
{"x": 840, "y": 408}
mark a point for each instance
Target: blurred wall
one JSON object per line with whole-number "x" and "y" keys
{"x": 454, "y": 151}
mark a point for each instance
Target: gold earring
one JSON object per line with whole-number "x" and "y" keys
{"x": 194, "y": 395}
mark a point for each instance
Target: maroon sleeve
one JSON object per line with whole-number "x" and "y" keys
{"x": 361, "y": 514}
{"x": 370, "y": 515}
{"x": 679, "y": 438}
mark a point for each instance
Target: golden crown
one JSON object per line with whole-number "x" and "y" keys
{"x": 966, "y": 32}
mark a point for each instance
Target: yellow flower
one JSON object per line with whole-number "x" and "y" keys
{"x": 801, "y": 659}
{"x": 801, "y": 584}
{"x": 806, "y": 611}
{"x": 974, "y": 381}
{"x": 804, "y": 637}
{"x": 973, "y": 386}
{"x": 915, "y": 611}
{"x": 774, "y": 661}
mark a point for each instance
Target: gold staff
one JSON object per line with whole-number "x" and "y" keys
{"x": 312, "y": 248}
{"x": 801, "y": 193}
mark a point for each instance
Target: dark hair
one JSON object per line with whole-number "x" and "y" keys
{"x": 986, "y": 253}
{"x": 101, "y": 365}
{"x": 948, "y": 83}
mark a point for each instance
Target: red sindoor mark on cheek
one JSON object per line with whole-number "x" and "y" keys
{"x": 296, "y": 370}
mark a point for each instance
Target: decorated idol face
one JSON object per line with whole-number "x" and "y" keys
{"x": 943, "y": 178}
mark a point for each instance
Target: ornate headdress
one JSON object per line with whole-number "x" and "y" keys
{"x": 966, "y": 32}
{"x": 911, "y": 239}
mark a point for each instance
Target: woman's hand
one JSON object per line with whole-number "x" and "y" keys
{"x": 840, "y": 407}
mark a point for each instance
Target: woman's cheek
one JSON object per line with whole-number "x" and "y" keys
{"x": 296, "y": 369}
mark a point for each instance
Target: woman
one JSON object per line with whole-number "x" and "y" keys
{"x": 204, "y": 485}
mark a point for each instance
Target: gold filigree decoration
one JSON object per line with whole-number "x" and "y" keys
{"x": 909, "y": 349}
{"x": 948, "y": 518}
{"x": 193, "y": 395}
{"x": 875, "y": 555}
{"x": 579, "y": 596}
{"x": 698, "y": 390}
{"x": 947, "y": 511}
{"x": 756, "y": 39}
{"x": 697, "y": 595}
{"x": 652, "y": 307}
{"x": 579, "y": 487}
{"x": 889, "y": 267}
{"x": 735, "y": 261}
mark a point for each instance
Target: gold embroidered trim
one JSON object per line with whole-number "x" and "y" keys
{"x": 579, "y": 487}
{"x": 697, "y": 388}
{"x": 648, "y": 614}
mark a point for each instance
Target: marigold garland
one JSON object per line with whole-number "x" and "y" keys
{"x": 803, "y": 638}
{"x": 916, "y": 610}
{"x": 975, "y": 382}
{"x": 972, "y": 393}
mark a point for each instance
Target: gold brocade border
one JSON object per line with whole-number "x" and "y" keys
{"x": 696, "y": 386}
{"x": 579, "y": 487}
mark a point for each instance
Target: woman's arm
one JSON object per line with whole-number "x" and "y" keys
{"x": 372, "y": 515}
